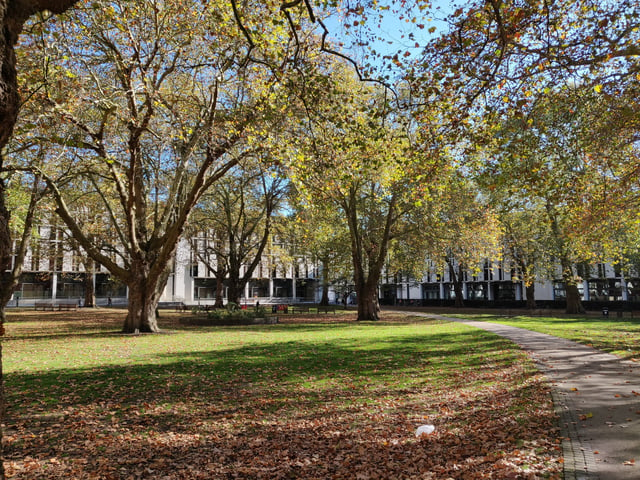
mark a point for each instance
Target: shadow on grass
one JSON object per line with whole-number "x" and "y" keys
{"x": 169, "y": 377}
{"x": 41, "y": 330}
{"x": 312, "y": 408}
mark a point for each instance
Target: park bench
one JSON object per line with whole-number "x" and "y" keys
{"x": 299, "y": 308}
{"x": 43, "y": 306}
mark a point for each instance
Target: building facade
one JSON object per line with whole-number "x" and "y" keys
{"x": 53, "y": 271}
{"x": 500, "y": 285}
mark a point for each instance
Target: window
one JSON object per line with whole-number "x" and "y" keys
{"x": 477, "y": 291}
{"x": 506, "y": 291}
{"x": 607, "y": 290}
{"x": 559, "y": 292}
{"x": 583, "y": 270}
{"x": 431, "y": 292}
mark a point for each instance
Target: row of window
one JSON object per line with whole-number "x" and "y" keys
{"x": 40, "y": 285}
{"x": 611, "y": 289}
{"x": 205, "y": 289}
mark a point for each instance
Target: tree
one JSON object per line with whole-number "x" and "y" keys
{"x": 323, "y": 234}
{"x": 515, "y": 50}
{"x": 152, "y": 143}
{"x": 376, "y": 180}
{"x": 238, "y": 212}
{"x": 26, "y": 193}
{"x": 525, "y": 246}
{"x": 551, "y": 163}
{"x": 13, "y": 15}
{"x": 465, "y": 231}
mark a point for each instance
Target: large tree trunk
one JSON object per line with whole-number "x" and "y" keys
{"x": 457, "y": 284}
{"x": 2, "y": 401}
{"x": 141, "y": 313}
{"x": 366, "y": 280}
{"x": 89, "y": 290}
{"x": 9, "y": 105}
{"x": 368, "y": 306}
{"x": 236, "y": 289}
{"x": 325, "y": 285}
{"x": 219, "y": 303}
{"x": 144, "y": 294}
{"x": 574, "y": 303}
{"x": 530, "y": 292}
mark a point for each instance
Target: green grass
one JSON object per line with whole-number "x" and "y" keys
{"x": 76, "y": 388}
{"x": 618, "y": 336}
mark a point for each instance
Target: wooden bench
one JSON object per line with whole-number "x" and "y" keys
{"x": 43, "y": 306}
{"x": 299, "y": 308}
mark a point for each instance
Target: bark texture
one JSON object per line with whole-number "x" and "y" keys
{"x": 574, "y": 302}
{"x": 145, "y": 289}
{"x": 368, "y": 306}
{"x": 531, "y": 296}
{"x": 456, "y": 279}
{"x": 89, "y": 290}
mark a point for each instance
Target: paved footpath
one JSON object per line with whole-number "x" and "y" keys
{"x": 597, "y": 397}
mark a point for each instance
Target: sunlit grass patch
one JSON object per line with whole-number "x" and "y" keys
{"x": 620, "y": 336}
{"x": 298, "y": 400}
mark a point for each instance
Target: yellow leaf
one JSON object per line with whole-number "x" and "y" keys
{"x": 598, "y": 88}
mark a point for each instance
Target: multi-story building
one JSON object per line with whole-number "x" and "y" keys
{"x": 52, "y": 270}
{"x": 498, "y": 284}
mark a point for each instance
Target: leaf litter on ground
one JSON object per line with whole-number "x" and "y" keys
{"x": 314, "y": 398}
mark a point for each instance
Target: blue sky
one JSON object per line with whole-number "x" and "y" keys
{"x": 392, "y": 29}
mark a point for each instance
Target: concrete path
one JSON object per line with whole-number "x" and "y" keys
{"x": 597, "y": 396}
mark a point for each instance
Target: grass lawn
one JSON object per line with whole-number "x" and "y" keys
{"x": 316, "y": 397}
{"x": 614, "y": 335}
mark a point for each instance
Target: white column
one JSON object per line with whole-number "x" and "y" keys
{"x": 54, "y": 285}
{"x": 585, "y": 289}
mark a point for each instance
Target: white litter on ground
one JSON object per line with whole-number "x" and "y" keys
{"x": 425, "y": 430}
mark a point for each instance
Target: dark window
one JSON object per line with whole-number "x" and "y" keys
{"x": 559, "y": 292}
